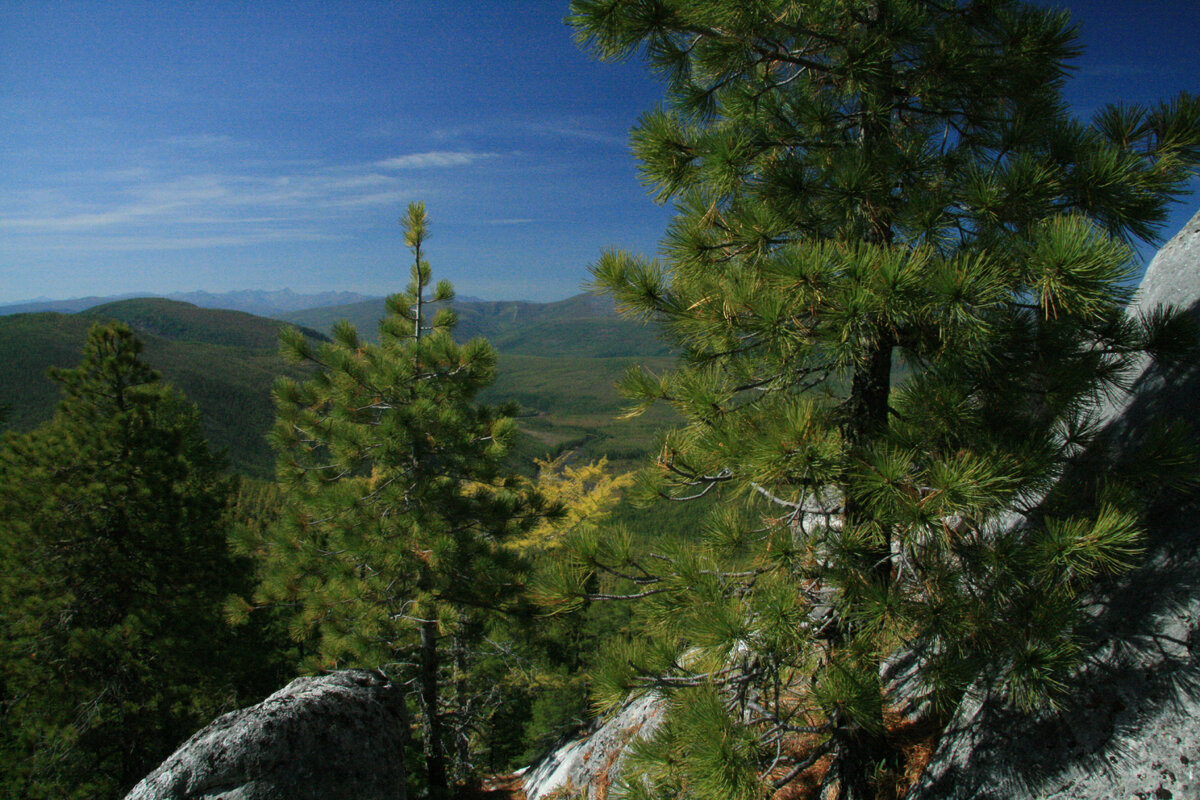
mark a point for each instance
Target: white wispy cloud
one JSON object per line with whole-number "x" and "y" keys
{"x": 141, "y": 199}
{"x": 184, "y": 242}
{"x": 583, "y": 134}
{"x": 434, "y": 159}
{"x": 202, "y": 141}
{"x": 64, "y": 223}
{"x": 579, "y": 128}
{"x": 212, "y": 190}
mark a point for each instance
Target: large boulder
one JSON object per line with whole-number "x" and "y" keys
{"x": 1130, "y": 727}
{"x": 333, "y": 737}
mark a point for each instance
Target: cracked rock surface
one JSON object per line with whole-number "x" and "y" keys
{"x": 589, "y": 765}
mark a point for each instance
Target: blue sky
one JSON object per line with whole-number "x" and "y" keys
{"x": 173, "y": 146}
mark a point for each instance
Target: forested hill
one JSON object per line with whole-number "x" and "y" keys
{"x": 186, "y": 322}
{"x": 558, "y": 360}
{"x": 264, "y": 303}
{"x": 225, "y": 361}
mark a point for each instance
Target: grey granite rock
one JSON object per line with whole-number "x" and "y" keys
{"x": 588, "y": 765}
{"x": 1131, "y": 725}
{"x": 335, "y": 737}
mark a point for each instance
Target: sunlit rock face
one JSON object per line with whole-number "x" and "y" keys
{"x": 1130, "y": 727}
{"x": 590, "y": 764}
{"x": 334, "y": 737}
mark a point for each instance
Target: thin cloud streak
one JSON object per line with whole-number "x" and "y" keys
{"x": 125, "y": 243}
{"x": 143, "y": 197}
{"x": 433, "y": 159}
{"x": 582, "y": 134}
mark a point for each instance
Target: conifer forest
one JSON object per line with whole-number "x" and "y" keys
{"x": 852, "y": 448}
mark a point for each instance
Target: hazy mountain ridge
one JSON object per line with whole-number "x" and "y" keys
{"x": 558, "y": 360}
{"x": 174, "y": 319}
{"x": 580, "y": 326}
{"x": 69, "y": 306}
{"x": 264, "y": 303}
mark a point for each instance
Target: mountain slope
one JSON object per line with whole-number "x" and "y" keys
{"x": 179, "y": 321}
{"x": 225, "y": 362}
{"x": 253, "y": 301}
{"x": 267, "y": 303}
{"x": 559, "y": 361}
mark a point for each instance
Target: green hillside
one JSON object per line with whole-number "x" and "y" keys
{"x": 179, "y": 321}
{"x": 559, "y": 361}
{"x": 29, "y": 344}
{"x": 222, "y": 360}
{"x": 572, "y": 404}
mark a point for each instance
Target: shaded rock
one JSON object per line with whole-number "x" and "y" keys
{"x": 1130, "y": 727}
{"x": 593, "y": 762}
{"x": 325, "y": 738}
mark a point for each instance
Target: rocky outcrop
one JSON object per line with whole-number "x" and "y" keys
{"x": 591, "y": 763}
{"x": 1130, "y": 727}
{"x": 333, "y": 737}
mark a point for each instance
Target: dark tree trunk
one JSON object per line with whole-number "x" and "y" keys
{"x": 860, "y": 751}
{"x": 462, "y": 727}
{"x": 867, "y": 408}
{"x": 435, "y": 757}
{"x": 858, "y": 756}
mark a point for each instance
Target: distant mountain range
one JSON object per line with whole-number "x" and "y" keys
{"x": 259, "y": 302}
{"x": 581, "y": 326}
{"x": 558, "y": 361}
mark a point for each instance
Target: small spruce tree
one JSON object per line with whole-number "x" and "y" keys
{"x": 896, "y": 275}
{"x": 397, "y": 500}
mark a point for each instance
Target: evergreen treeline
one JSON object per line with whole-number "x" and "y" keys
{"x": 147, "y": 590}
{"x": 113, "y": 568}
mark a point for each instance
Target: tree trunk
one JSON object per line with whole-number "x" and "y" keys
{"x": 867, "y": 408}
{"x": 860, "y": 751}
{"x": 462, "y": 701}
{"x": 435, "y": 757}
{"x": 858, "y": 756}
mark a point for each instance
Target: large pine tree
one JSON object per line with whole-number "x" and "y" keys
{"x": 397, "y": 498}
{"x": 113, "y": 569}
{"x": 896, "y": 273}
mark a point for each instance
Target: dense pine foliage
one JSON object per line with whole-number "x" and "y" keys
{"x": 397, "y": 501}
{"x": 859, "y": 184}
{"x": 113, "y": 566}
